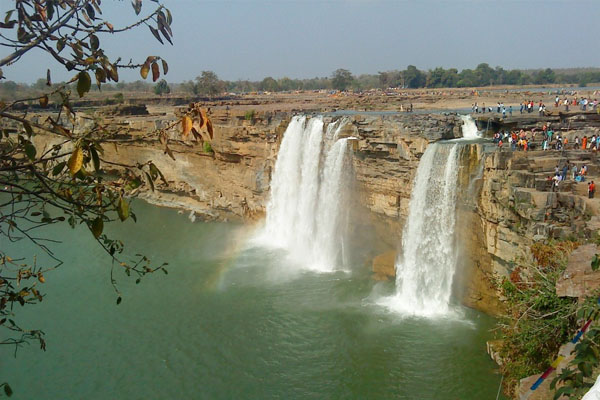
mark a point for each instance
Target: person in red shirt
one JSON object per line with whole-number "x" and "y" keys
{"x": 591, "y": 189}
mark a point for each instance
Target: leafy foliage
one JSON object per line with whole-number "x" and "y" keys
{"x": 341, "y": 79}
{"x": 537, "y": 322}
{"x": 162, "y": 87}
{"x": 595, "y": 262}
{"x": 575, "y": 380}
{"x": 249, "y": 115}
{"x": 66, "y": 181}
{"x": 209, "y": 84}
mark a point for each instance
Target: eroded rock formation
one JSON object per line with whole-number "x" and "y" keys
{"x": 506, "y": 204}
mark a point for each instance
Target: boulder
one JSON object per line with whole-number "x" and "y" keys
{"x": 578, "y": 279}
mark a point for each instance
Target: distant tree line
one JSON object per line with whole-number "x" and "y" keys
{"x": 209, "y": 84}
{"x": 412, "y": 77}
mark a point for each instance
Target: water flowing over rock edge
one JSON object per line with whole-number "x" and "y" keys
{"x": 233, "y": 182}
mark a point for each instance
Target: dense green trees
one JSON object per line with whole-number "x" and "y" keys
{"x": 162, "y": 87}
{"x": 412, "y": 77}
{"x": 341, "y": 79}
{"x": 209, "y": 84}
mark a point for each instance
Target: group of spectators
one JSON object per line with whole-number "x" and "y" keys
{"x": 529, "y": 106}
{"x": 550, "y": 140}
{"x": 515, "y": 140}
{"x": 584, "y": 103}
{"x": 578, "y": 174}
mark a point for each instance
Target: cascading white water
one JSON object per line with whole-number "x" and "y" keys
{"x": 307, "y": 211}
{"x": 469, "y": 128}
{"x": 425, "y": 270}
{"x": 332, "y": 212}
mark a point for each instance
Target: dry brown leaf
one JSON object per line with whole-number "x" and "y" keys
{"x": 186, "y": 124}
{"x": 204, "y": 118}
{"x": 144, "y": 71}
{"x": 169, "y": 152}
{"x": 75, "y": 161}
{"x": 209, "y": 128}
{"x": 155, "y": 72}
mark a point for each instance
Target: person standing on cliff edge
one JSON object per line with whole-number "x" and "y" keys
{"x": 591, "y": 189}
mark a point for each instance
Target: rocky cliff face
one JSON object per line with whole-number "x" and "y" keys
{"x": 504, "y": 205}
{"x": 231, "y": 178}
{"x": 516, "y": 207}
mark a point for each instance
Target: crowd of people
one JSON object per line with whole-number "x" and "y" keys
{"x": 550, "y": 140}
{"x": 584, "y": 103}
{"x": 578, "y": 174}
{"x": 500, "y": 109}
{"x": 529, "y": 106}
{"x": 547, "y": 138}
{"x": 514, "y": 140}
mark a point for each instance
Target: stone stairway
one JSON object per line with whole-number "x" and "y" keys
{"x": 555, "y": 214}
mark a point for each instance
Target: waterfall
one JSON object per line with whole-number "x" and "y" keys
{"x": 307, "y": 213}
{"x": 425, "y": 270}
{"x": 469, "y": 128}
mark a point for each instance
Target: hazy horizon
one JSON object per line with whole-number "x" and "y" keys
{"x": 304, "y": 39}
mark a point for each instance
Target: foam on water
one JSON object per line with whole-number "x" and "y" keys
{"x": 469, "y": 128}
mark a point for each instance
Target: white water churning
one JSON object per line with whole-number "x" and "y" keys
{"x": 469, "y": 128}
{"x": 307, "y": 214}
{"x": 425, "y": 269}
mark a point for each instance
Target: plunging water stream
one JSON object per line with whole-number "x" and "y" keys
{"x": 425, "y": 269}
{"x": 469, "y": 128}
{"x": 307, "y": 213}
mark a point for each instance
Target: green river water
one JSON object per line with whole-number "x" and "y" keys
{"x": 233, "y": 323}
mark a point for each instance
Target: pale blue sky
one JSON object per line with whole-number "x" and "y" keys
{"x": 252, "y": 39}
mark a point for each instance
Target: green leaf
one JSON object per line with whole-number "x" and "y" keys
{"x": 94, "y": 42}
{"x": 595, "y": 262}
{"x": 100, "y": 77}
{"x": 134, "y": 183}
{"x": 28, "y": 128}
{"x": 150, "y": 181}
{"x": 97, "y": 227}
{"x": 7, "y": 390}
{"x": 154, "y": 171}
{"x": 58, "y": 168}
{"x": 50, "y": 9}
{"x": 123, "y": 209}
{"x": 90, "y": 11}
{"x": 30, "y": 151}
{"x": 156, "y": 34}
{"x": 84, "y": 83}
{"x": 137, "y": 6}
{"x": 8, "y": 15}
{"x": 95, "y": 158}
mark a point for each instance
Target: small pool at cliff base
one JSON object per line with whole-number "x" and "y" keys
{"x": 231, "y": 322}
